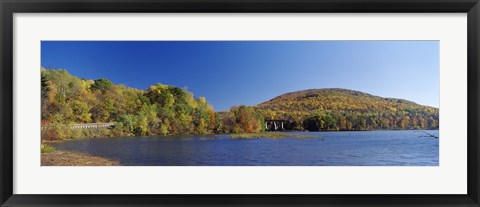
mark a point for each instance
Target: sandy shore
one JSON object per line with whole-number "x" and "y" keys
{"x": 67, "y": 158}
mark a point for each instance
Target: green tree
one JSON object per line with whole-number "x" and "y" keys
{"x": 102, "y": 85}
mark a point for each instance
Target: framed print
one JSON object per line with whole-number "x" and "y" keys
{"x": 245, "y": 103}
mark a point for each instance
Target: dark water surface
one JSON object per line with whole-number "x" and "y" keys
{"x": 363, "y": 148}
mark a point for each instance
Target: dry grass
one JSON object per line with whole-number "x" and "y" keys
{"x": 47, "y": 148}
{"x": 67, "y": 158}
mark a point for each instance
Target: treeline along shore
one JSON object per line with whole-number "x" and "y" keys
{"x": 169, "y": 110}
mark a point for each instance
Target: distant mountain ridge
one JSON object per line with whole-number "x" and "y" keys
{"x": 344, "y": 109}
{"x": 336, "y": 92}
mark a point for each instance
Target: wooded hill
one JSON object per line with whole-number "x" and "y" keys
{"x": 158, "y": 110}
{"x": 170, "y": 110}
{"x": 342, "y": 109}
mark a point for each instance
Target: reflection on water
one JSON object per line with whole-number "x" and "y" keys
{"x": 365, "y": 148}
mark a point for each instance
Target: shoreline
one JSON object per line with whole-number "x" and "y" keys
{"x": 285, "y": 131}
{"x": 48, "y": 142}
{"x": 70, "y": 158}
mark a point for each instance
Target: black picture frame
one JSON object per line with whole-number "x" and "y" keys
{"x": 10, "y": 7}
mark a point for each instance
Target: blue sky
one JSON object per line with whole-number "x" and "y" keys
{"x": 229, "y": 73}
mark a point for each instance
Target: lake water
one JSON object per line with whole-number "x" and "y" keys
{"x": 361, "y": 148}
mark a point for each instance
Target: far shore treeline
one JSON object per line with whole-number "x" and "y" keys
{"x": 170, "y": 110}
